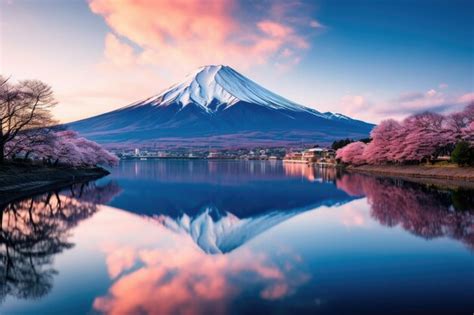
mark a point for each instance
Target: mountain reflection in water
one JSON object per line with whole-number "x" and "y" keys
{"x": 234, "y": 237}
{"x": 243, "y": 188}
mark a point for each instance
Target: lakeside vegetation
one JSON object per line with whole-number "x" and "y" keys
{"x": 35, "y": 153}
{"x": 421, "y": 138}
{"x": 28, "y": 131}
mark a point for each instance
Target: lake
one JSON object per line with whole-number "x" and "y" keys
{"x": 253, "y": 237}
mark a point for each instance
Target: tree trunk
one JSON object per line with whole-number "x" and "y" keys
{"x": 2, "y": 152}
{"x": 1, "y": 218}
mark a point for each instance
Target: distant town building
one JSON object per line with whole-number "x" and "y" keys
{"x": 213, "y": 155}
{"x": 137, "y": 151}
{"x": 294, "y": 157}
{"x": 313, "y": 155}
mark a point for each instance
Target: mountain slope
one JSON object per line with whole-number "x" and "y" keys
{"x": 226, "y": 233}
{"x": 217, "y": 232}
{"x": 218, "y": 106}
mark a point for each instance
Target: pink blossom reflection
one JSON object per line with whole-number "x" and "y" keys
{"x": 423, "y": 211}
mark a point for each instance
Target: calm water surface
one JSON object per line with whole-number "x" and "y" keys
{"x": 215, "y": 237}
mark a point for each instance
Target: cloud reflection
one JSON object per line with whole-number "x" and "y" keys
{"x": 183, "y": 279}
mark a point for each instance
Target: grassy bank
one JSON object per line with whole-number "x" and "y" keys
{"x": 21, "y": 180}
{"x": 441, "y": 175}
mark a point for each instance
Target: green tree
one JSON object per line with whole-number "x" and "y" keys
{"x": 463, "y": 154}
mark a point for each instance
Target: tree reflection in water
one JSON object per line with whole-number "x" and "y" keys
{"x": 35, "y": 229}
{"x": 423, "y": 210}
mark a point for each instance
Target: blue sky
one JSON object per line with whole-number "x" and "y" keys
{"x": 368, "y": 59}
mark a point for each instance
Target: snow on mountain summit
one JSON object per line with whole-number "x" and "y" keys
{"x": 221, "y": 86}
{"x": 226, "y": 233}
{"x": 219, "y": 106}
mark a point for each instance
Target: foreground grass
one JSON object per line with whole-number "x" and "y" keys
{"x": 19, "y": 180}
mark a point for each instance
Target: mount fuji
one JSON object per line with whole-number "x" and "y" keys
{"x": 217, "y": 106}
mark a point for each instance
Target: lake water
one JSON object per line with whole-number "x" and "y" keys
{"x": 217, "y": 237}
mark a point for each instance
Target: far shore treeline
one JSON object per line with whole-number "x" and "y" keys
{"x": 419, "y": 138}
{"x": 28, "y": 131}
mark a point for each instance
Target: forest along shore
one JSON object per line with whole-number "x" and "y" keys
{"x": 22, "y": 180}
{"x": 449, "y": 175}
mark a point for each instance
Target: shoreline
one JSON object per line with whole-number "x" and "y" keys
{"x": 449, "y": 177}
{"x": 20, "y": 181}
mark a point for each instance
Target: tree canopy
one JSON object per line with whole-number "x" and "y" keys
{"x": 420, "y": 137}
{"x": 27, "y": 129}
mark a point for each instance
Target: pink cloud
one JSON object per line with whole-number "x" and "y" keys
{"x": 159, "y": 271}
{"x": 274, "y": 29}
{"x": 117, "y": 52}
{"x": 363, "y": 107}
{"x": 466, "y": 98}
{"x": 119, "y": 260}
{"x": 183, "y": 279}
{"x": 287, "y": 52}
{"x": 415, "y": 102}
{"x": 352, "y": 216}
{"x": 431, "y": 100}
{"x": 187, "y": 34}
{"x": 354, "y": 104}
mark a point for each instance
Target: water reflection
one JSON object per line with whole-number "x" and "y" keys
{"x": 311, "y": 173}
{"x": 423, "y": 210}
{"x": 178, "y": 278}
{"x": 243, "y": 188}
{"x": 35, "y": 229}
{"x": 222, "y": 205}
{"x": 201, "y": 237}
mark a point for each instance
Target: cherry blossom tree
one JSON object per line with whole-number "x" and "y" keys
{"x": 65, "y": 148}
{"x": 27, "y": 142}
{"x": 467, "y": 133}
{"x": 24, "y": 106}
{"x": 459, "y": 121}
{"x": 74, "y": 150}
{"x": 425, "y": 135}
{"x": 352, "y": 153}
{"x": 385, "y": 138}
{"x": 26, "y": 128}
{"x": 92, "y": 153}
{"x": 419, "y": 137}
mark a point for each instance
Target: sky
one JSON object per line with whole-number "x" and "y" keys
{"x": 371, "y": 60}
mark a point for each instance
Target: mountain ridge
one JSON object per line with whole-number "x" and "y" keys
{"x": 219, "y": 106}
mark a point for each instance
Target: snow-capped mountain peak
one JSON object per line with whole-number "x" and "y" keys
{"x": 214, "y": 101}
{"x": 227, "y": 232}
{"x": 331, "y": 115}
{"x": 222, "y": 87}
